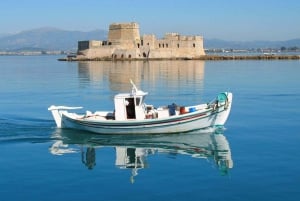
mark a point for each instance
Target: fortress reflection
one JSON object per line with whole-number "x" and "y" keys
{"x": 132, "y": 150}
{"x": 117, "y": 74}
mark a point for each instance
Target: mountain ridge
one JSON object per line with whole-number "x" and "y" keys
{"x": 51, "y": 38}
{"x": 223, "y": 44}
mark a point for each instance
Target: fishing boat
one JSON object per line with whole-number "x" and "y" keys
{"x": 132, "y": 115}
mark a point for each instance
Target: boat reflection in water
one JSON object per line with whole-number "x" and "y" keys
{"x": 132, "y": 150}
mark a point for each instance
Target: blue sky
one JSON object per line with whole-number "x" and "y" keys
{"x": 238, "y": 20}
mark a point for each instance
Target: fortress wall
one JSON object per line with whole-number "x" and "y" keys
{"x": 103, "y": 52}
{"x": 95, "y": 43}
{"x": 126, "y": 54}
{"x": 83, "y": 45}
{"x": 146, "y": 52}
{"x": 128, "y": 44}
{"x": 176, "y": 53}
{"x": 171, "y": 36}
{"x": 149, "y": 41}
{"x": 160, "y": 53}
{"x": 183, "y": 47}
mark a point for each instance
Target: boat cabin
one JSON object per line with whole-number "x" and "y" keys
{"x": 130, "y": 105}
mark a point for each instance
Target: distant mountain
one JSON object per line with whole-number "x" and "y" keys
{"x": 48, "y": 39}
{"x": 4, "y": 34}
{"x": 217, "y": 43}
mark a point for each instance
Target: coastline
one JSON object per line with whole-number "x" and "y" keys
{"x": 204, "y": 57}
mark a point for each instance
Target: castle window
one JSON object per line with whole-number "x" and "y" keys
{"x": 144, "y": 54}
{"x": 138, "y": 45}
{"x": 142, "y": 42}
{"x": 194, "y": 45}
{"x": 109, "y": 43}
{"x": 163, "y": 45}
{"x": 129, "y": 56}
{"x": 178, "y": 45}
{"x": 147, "y": 43}
{"x": 159, "y": 45}
{"x": 167, "y": 45}
{"x": 122, "y": 56}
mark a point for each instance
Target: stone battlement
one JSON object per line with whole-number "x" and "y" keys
{"x": 132, "y": 25}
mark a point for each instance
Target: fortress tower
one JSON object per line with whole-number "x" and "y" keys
{"x": 124, "y": 34}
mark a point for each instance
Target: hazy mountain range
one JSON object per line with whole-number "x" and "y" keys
{"x": 217, "y": 43}
{"x": 57, "y": 39}
{"x": 48, "y": 39}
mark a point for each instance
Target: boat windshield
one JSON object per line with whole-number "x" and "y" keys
{"x": 139, "y": 100}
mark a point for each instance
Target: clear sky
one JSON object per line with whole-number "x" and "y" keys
{"x": 237, "y": 20}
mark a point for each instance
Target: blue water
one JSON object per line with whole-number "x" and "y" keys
{"x": 257, "y": 156}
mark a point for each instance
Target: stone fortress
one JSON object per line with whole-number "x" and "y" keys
{"x": 125, "y": 43}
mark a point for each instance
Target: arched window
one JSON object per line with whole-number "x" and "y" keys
{"x": 159, "y": 45}
{"x": 129, "y": 56}
{"x": 178, "y": 45}
{"x": 194, "y": 45}
{"x": 144, "y": 54}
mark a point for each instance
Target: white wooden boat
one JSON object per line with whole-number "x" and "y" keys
{"x": 132, "y": 115}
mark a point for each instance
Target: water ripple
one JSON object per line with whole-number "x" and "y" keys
{"x": 16, "y": 129}
{"x": 284, "y": 95}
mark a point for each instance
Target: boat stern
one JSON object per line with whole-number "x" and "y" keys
{"x": 224, "y": 107}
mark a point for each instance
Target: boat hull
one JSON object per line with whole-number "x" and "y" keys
{"x": 174, "y": 124}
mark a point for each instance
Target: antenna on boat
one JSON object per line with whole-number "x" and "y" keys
{"x": 134, "y": 88}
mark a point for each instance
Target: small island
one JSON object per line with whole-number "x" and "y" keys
{"x": 125, "y": 43}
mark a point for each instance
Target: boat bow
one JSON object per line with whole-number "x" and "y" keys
{"x": 57, "y": 112}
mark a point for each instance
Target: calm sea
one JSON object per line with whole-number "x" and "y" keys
{"x": 257, "y": 156}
